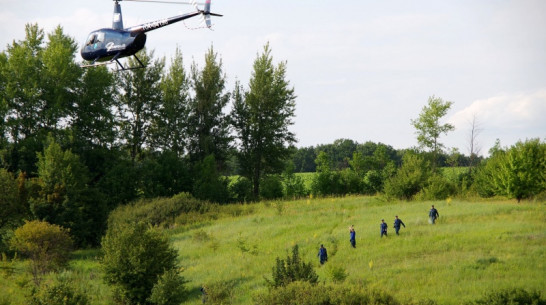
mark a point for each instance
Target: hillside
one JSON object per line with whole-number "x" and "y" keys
{"x": 474, "y": 247}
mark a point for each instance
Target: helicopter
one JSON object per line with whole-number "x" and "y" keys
{"x": 108, "y": 45}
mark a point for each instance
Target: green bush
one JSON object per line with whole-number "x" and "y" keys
{"x": 337, "y": 274}
{"x": 160, "y": 211}
{"x": 271, "y": 187}
{"x": 437, "y": 188}
{"x": 292, "y": 269}
{"x": 135, "y": 257}
{"x": 47, "y": 246}
{"x": 241, "y": 190}
{"x": 169, "y": 289}
{"x": 58, "y": 293}
{"x": 218, "y": 293}
{"x": 516, "y": 296}
{"x": 410, "y": 178}
{"x": 305, "y": 293}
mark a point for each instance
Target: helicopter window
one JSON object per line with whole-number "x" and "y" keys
{"x": 91, "y": 39}
{"x": 100, "y": 37}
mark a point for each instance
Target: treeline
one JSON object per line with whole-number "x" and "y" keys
{"x": 76, "y": 143}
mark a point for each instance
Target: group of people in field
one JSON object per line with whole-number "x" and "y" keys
{"x": 432, "y": 214}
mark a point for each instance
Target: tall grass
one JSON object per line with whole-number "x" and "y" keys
{"x": 473, "y": 248}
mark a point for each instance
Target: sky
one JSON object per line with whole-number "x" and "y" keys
{"x": 361, "y": 69}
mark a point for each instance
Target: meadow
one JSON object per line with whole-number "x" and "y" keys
{"x": 476, "y": 246}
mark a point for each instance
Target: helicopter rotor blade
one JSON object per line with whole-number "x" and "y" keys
{"x": 165, "y": 2}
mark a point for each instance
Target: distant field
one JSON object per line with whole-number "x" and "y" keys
{"x": 474, "y": 247}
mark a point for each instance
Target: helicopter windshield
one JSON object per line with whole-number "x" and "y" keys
{"x": 95, "y": 38}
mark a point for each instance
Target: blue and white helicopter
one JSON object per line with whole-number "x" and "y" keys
{"x": 108, "y": 45}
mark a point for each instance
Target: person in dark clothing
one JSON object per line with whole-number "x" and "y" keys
{"x": 353, "y": 236}
{"x": 383, "y": 227}
{"x": 433, "y": 214}
{"x": 323, "y": 255}
{"x": 397, "y": 223}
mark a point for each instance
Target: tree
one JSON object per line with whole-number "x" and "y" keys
{"x": 410, "y": 178}
{"x": 208, "y": 125}
{"x": 64, "y": 197}
{"x": 291, "y": 270}
{"x": 48, "y": 246}
{"x": 171, "y": 124}
{"x": 473, "y": 145}
{"x": 261, "y": 118}
{"x": 523, "y": 170}
{"x": 140, "y": 96}
{"x": 135, "y": 258}
{"x": 428, "y": 127}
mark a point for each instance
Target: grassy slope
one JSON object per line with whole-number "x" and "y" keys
{"x": 475, "y": 246}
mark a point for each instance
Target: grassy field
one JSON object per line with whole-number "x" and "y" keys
{"x": 474, "y": 247}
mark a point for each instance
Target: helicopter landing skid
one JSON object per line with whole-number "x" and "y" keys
{"x": 115, "y": 60}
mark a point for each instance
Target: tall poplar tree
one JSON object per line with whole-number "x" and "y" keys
{"x": 208, "y": 125}
{"x": 261, "y": 118}
{"x": 140, "y": 97}
{"x": 170, "y": 125}
{"x": 428, "y": 126}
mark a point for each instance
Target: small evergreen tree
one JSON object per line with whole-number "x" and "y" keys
{"x": 292, "y": 269}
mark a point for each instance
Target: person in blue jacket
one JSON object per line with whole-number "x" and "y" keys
{"x": 383, "y": 227}
{"x": 323, "y": 255}
{"x": 433, "y": 214}
{"x": 397, "y": 223}
{"x": 353, "y": 236}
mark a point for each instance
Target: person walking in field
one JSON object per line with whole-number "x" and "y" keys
{"x": 397, "y": 223}
{"x": 352, "y": 235}
{"x": 433, "y": 214}
{"x": 323, "y": 255}
{"x": 383, "y": 227}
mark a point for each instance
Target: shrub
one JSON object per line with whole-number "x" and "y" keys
{"x": 437, "y": 188}
{"x": 409, "y": 179}
{"x": 47, "y": 246}
{"x": 271, "y": 187}
{"x": 292, "y": 269}
{"x": 219, "y": 293}
{"x": 135, "y": 257}
{"x": 169, "y": 289}
{"x": 160, "y": 211}
{"x": 58, "y": 293}
{"x": 516, "y": 296}
{"x": 337, "y": 274}
{"x": 305, "y": 293}
{"x": 241, "y": 189}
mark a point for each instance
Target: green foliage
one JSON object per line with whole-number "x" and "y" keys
{"x": 135, "y": 257}
{"x": 48, "y": 246}
{"x": 409, "y": 179}
{"x": 11, "y": 209}
{"x": 292, "y": 269}
{"x": 207, "y": 123}
{"x": 305, "y": 293}
{"x": 209, "y": 184}
{"x": 163, "y": 174}
{"x": 271, "y": 187}
{"x": 293, "y": 185}
{"x": 261, "y": 118}
{"x": 241, "y": 189}
{"x": 219, "y": 293}
{"x": 518, "y": 172}
{"x": 437, "y": 188}
{"x": 337, "y": 274}
{"x": 59, "y": 292}
{"x": 325, "y": 182}
{"x": 169, "y": 289}
{"x": 160, "y": 211}
{"x": 516, "y": 296}
{"x": 428, "y": 127}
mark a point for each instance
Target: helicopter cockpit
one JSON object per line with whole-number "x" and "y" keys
{"x": 94, "y": 38}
